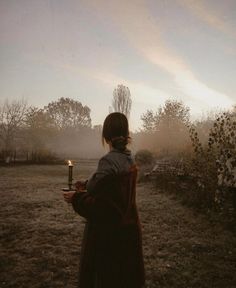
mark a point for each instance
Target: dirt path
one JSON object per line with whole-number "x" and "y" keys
{"x": 41, "y": 236}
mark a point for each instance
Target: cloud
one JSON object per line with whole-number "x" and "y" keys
{"x": 187, "y": 81}
{"x": 205, "y": 13}
{"x": 144, "y": 96}
{"x": 133, "y": 18}
{"x": 140, "y": 91}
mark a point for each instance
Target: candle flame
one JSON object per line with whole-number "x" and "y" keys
{"x": 70, "y": 163}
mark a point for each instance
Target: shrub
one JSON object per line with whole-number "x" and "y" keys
{"x": 214, "y": 164}
{"x": 43, "y": 156}
{"x": 144, "y": 157}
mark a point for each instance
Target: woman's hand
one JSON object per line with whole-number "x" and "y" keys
{"x": 68, "y": 196}
{"x": 80, "y": 186}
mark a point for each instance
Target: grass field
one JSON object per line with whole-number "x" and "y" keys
{"x": 41, "y": 235}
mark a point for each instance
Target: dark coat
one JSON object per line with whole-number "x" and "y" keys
{"x": 112, "y": 246}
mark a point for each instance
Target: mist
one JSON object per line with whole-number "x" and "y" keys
{"x": 63, "y": 130}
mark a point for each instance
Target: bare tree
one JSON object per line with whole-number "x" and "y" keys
{"x": 122, "y": 101}
{"x": 12, "y": 116}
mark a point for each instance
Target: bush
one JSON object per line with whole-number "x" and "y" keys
{"x": 214, "y": 164}
{"x": 43, "y": 156}
{"x": 144, "y": 157}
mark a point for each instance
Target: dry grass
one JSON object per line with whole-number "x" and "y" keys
{"x": 41, "y": 235}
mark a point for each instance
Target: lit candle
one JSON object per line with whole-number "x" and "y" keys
{"x": 70, "y": 175}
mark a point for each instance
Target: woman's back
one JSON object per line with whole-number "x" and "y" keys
{"x": 112, "y": 246}
{"x": 113, "y": 163}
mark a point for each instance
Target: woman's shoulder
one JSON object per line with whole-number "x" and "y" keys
{"x": 111, "y": 165}
{"x": 116, "y": 155}
{"x": 118, "y": 161}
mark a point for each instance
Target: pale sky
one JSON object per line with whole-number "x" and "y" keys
{"x": 82, "y": 49}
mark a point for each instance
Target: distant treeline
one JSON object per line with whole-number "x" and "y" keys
{"x": 59, "y": 129}
{"x": 63, "y": 129}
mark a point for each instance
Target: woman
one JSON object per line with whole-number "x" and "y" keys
{"x": 112, "y": 246}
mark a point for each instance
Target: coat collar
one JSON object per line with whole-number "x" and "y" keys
{"x": 126, "y": 152}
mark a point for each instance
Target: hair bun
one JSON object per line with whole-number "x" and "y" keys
{"x": 119, "y": 143}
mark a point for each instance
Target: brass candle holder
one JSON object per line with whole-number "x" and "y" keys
{"x": 70, "y": 177}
